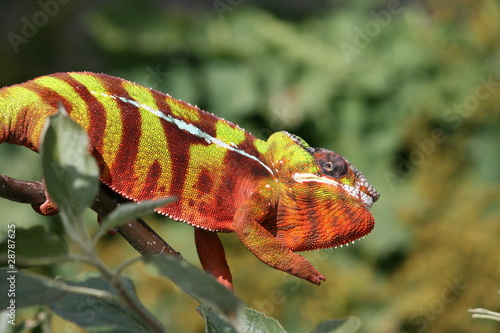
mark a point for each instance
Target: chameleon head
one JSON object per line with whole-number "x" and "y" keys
{"x": 324, "y": 200}
{"x": 338, "y": 172}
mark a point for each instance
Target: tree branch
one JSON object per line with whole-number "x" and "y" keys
{"x": 137, "y": 232}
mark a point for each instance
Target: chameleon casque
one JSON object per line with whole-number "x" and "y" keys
{"x": 279, "y": 196}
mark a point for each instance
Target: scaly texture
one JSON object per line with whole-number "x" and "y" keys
{"x": 279, "y": 196}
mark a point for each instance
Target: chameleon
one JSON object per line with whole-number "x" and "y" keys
{"x": 279, "y": 196}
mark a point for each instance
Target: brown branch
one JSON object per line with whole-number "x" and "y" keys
{"x": 21, "y": 191}
{"x": 137, "y": 232}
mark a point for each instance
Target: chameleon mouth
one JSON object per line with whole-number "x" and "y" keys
{"x": 362, "y": 191}
{"x": 365, "y": 187}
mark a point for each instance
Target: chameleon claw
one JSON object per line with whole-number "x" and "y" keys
{"x": 48, "y": 208}
{"x": 225, "y": 282}
{"x": 315, "y": 277}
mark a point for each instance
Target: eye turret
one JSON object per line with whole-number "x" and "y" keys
{"x": 331, "y": 164}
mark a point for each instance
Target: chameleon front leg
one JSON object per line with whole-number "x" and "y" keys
{"x": 212, "y": 256}
{"x": 48, "y": 207}
{"x": 264, "y": 245}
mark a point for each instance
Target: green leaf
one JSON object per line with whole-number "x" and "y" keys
{"x": 36, "y": 243}
{"x": 128, "y": 211}
{"x": 348, "y": 325}
{"x": 258, "y": 322}
{"x": 255, "y": 322}
{"x": 30, "y": 288}
{"x": 201, "y": 286}
{"x": 98, "y": 314}
{"x": 69, "y": 170}
{"x": 214, "y": 321}
{"x": 87, "y": 300}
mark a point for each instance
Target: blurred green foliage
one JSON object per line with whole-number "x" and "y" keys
{"x": 409, "y": 92}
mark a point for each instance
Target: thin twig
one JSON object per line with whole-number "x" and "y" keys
{"x": 137, "y": 232}
{"x": 485, "y": 314}
{"x": 132, "y": 302}
{"x": 21, "y": 191}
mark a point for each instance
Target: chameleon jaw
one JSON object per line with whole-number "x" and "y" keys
{"x": 355, "y": 192}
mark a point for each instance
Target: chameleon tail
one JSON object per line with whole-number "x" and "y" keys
{"x": 23, "y": 112}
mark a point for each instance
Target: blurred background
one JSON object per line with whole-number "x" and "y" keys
{"x": 408, "y": 91}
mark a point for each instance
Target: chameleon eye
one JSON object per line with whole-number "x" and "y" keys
{"x": 337, "y": 168}
{"x": 332, "y": 164}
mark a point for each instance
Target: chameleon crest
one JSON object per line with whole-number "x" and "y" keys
{"x": 279, "y": 196}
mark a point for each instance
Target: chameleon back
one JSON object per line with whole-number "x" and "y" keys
{"x": 186, "y": 152}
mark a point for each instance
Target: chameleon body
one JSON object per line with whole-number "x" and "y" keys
{"x": 279, "y": 196}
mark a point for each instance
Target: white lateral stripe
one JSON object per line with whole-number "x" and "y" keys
{"x": 181, "y": 124}
{"x": 310, "y": 177}
{"x": 352, "y": 191}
